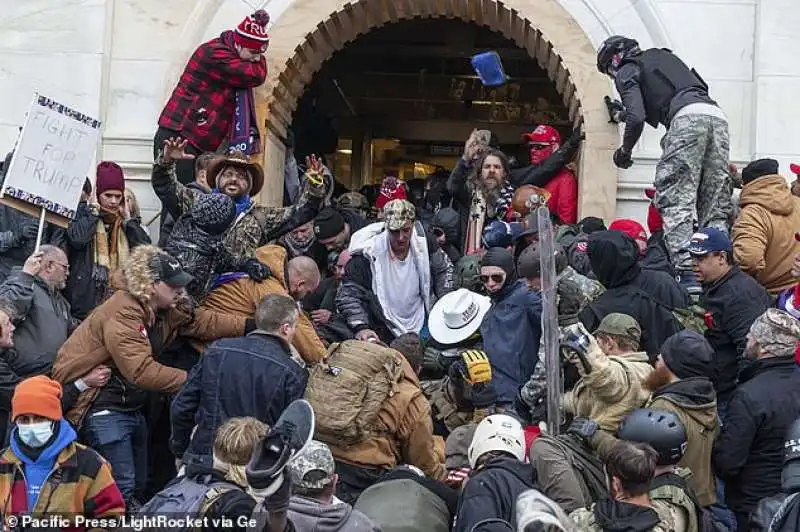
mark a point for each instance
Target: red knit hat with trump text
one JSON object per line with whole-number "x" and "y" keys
{"x": 252, "y": 32}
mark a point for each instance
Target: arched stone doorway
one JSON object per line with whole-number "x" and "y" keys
{"x": 302, "y": 39}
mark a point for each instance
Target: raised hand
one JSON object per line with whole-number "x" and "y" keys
{"x": 175, "y": 150}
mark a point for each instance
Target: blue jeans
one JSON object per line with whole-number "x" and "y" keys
{"x": 121, "y": 438}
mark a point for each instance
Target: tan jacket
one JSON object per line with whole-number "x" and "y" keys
{"x": 763, "y": 234}
{"x": 702, "y": 427}
{"x": 116, "y": 334}
{"x": 408, "y": 434}
{"x": 612, "y": 390}
{"x": 241, "y": 297}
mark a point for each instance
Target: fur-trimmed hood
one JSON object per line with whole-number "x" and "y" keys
{"x": 137, "y": 272}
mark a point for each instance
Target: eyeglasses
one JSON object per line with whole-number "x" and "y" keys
{"x": 495, "y": 278}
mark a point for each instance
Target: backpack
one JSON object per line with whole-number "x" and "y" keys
{"x": 348, "y": 388}
{"x": 674, "y": 489}
{"x": 186, "y": 496}
{"x": 422, "y": 509}
{"x": 692, "y": 317}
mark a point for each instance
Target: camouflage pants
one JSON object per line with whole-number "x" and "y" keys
{"x": 693, "y": 183}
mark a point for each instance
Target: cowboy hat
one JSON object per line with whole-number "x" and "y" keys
{"x": 238, "y": 160}
{"x": 457, "y": 316}
{"x": 528, "y": 198}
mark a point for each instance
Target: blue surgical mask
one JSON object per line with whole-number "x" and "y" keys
{"x": 35, "y": 434}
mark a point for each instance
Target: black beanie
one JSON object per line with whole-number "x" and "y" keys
{"x": 590, "y": 224}
{"x": 759, "y": 168}
{"x": 328, "y": 223}
{"x": 688, "y": 354}
{"x": 501, "y": 258}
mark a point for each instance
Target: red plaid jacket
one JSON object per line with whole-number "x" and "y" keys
{"x": 201, "y": 106}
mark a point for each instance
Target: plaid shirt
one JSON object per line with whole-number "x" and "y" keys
{"x": 202, "y": 105}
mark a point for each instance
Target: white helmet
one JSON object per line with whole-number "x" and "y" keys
{"x": 498, "y": 432}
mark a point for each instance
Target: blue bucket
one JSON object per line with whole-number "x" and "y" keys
{"x": 489, "y": 68}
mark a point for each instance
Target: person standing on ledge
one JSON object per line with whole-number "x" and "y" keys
{"x": 693, "y": 182}
{"x": 213, "y": 103}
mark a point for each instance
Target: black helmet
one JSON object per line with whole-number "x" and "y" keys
{"x": 611, "y": 47}
{"x": 660, "y": 429}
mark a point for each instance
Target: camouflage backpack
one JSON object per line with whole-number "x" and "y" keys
{"x": 348, "y": 388}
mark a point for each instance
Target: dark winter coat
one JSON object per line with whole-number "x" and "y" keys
{"x": 168, "y": 221}
{"x": 14, "y": 247}
{"x": 82, "y": 291}
{"x": 645, "y": 295}
{"x": 43, "y": 321}
{"x": 197, "y": 242}
{"x": 734, "y": 302}
{"x": 511, "y": 332}
{"x": 250, "y": 376}
{"x": 492, "y": 492}
{"x": 748, "y": 455}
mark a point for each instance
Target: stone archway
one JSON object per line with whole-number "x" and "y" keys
{"x": 310, "y": 31}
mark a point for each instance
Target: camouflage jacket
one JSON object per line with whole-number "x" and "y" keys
{"x": 442, "y": 407}
{"x": 258, "y": 226}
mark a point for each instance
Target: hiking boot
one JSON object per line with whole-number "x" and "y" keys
{"x": 290, "y": 435}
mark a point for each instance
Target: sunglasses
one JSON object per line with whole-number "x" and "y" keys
{"x": 495, "y": 278}
{"x": 539, "y": 145}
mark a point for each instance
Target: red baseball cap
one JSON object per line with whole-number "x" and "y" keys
{"x": 543, "y": 134}
{"x": 795, "y": 169}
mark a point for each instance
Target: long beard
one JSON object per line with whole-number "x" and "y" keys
{"x": 491, "y": 190}
{"x": 657, "y": 379}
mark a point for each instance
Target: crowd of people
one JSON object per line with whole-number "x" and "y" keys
{"x": 179, "y": 379}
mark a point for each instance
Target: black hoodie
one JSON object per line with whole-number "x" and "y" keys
{"x": 645, "y": 295}
{"x": 492, "y": 492}
{"x": 449, "y": 221}
{"x": 617, "y": 516}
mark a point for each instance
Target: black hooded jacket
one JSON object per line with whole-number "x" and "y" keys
{"x": 491, "y": 494}
{"x": 449, "y": 221}
{"x": 618, "y": 516}
{"x": 748, "y": 454}
{"x": 645, "y": 295}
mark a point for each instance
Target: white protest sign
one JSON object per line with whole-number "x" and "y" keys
{"x": 52, "y": 158}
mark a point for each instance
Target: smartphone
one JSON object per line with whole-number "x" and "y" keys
{"x": 483, "y": 137}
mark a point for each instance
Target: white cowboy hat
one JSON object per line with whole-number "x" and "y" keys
{"x": 457, "y": 316}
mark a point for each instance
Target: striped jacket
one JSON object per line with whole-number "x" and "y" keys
{"x": 80, "y": 484}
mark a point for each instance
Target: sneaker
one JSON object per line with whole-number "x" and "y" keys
{"x": 285, "y": 440}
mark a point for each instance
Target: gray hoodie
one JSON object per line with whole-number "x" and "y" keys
{"x": 311, "y": 515}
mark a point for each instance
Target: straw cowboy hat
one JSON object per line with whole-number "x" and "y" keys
{"x": 457, "y": 316}
{"x": 238, "y": 160}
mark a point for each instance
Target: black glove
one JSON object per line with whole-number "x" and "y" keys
{"x": 622, "y": 158}
{"x": 28, "y": 232}
{"x": 483, "y": 395}
{"x": 279, "y": 501}
{"x": 256, "y": 270}
{"x": 577, "y": 341}
{"x": 576, "y": 138}
{"x": 616, "y": 111}
{"x": 582, "y": 427}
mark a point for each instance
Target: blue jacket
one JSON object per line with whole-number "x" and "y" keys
{"x": 511, "y": 332}
{"x": 249, "y": 376}
{"x": 37, "y": 471}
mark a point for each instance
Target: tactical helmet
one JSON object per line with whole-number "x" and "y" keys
{"x": 468, "y": 273}
{"x": 660, "y": 429}
{"x": 611, "y": 47}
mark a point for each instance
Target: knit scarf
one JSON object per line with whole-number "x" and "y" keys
{"x": 244, "y": 135}
{"x": 110, "y": 251}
